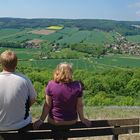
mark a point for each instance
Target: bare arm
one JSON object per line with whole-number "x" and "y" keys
{"x": 32, "y": 101}
{"x": 46, "y": 108}
{"x": 80, "y": 108}
{"x": 45, "y": 112}
{"x": 81, "y": 112}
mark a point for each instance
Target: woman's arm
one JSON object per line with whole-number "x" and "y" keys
{"x": 81, "y": 112}
{"x": 80, "y": 108}
{"x": 46, "y": 108}
{"x": 45, "y": 112}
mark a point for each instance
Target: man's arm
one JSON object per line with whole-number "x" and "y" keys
{"x": 32, "y": 93}
{"x": 46, "y": 108}
{"x": 32, "y": 101}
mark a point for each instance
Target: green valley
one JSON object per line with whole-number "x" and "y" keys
{"x": 105, "y": 55}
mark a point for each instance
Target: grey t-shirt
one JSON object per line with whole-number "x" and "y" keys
{"x": 15, "y": 92}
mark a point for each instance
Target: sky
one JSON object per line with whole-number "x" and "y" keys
{"x": 126, "y": 10}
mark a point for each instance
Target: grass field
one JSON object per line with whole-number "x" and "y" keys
{"x": 51, "y": 63}
{"x": 134, "y": 38}
{"x": 120, "y": 61}
{"x": 30, "y": 57}
{"x": 98, "y": 113}
{"x": 58, "y": 34}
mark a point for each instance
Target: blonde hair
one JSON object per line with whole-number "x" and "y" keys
{"x": 63, "y": 73}
{"x": 8, "y": 60}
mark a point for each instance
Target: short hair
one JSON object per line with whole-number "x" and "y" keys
{"x": 8, "y": 60}
{"x": 63, "y": 73}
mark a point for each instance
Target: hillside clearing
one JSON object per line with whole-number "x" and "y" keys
{"x": 43, "y": 32}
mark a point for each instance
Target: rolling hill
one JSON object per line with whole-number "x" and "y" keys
{"x": 88, "y": 37}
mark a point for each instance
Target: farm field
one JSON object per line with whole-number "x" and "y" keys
{"x": 62, "y": 36}
{"x": 43, "y": 32}
{"x": 30, "y": 57}
{"x": 66, "y": 37}
{"x": 120, "y": 61}
{"x": 12, "y": 34}
{"x": 55, "y": 27}
{"x": 134, "y": 38}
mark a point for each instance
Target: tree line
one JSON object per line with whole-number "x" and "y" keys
{"x": 123, "y": 27}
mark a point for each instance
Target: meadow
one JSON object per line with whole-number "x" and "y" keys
{"x": 120, "y": 61}
{"x": 30, "y": 57}
{"x": 62, "y": 36}
{"x": 99, "y": 113}
{"x": 134, "y": 38}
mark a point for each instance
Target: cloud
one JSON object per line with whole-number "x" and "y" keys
{"x": 138, "y": 13}
{"x": 134, "y": 5}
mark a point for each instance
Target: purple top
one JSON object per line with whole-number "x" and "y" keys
{"x": 64, "y": 99}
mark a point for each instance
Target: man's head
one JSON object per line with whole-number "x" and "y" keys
{"x": 8, "y": 60}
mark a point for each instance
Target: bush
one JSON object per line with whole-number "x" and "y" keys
{"x": 100, "y": 99}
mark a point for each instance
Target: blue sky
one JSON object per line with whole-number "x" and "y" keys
{"x": 72, "y": 9}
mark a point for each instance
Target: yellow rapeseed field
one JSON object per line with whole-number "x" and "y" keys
{"x": 55, "y": 27}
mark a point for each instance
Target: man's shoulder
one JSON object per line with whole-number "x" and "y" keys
{"x": 21, "y": 76}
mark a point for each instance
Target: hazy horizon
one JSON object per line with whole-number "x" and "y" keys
{"x": 119, "y": 10}
{"x": 72, "y": 19}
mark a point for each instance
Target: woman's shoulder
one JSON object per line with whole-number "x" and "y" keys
{"x": 78, "y": 84}
{"x": 74, "y": 83}
{"x": 51, "y": 82}
{"x": 77, "y": 81}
